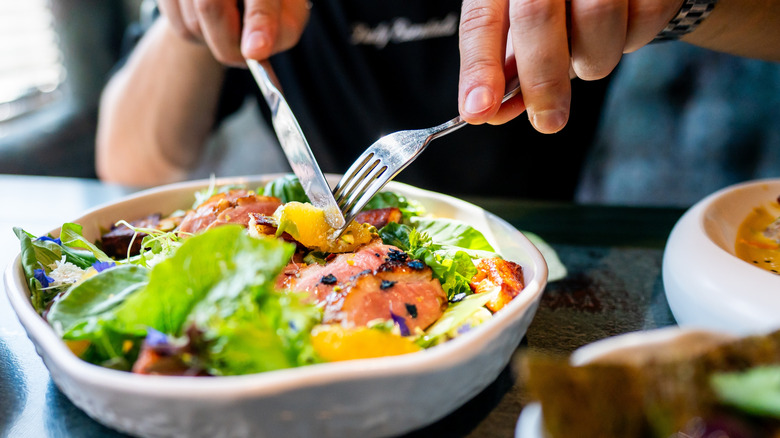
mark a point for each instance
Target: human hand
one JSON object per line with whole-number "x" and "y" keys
{"x": 266, "y": 27}
{"x": 547, "y": 42}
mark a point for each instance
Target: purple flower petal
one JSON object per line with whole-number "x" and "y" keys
{"x": 41, "y": 276}
{"x": 155, "y": 338}
{"x": 102, "y": 266}
{"x": 50, "y": 239}
{"x": 401, "y": 323}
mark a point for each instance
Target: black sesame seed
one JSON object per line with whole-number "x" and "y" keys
{"x": 386, "y": 284}
{"x": 412, "y": 309}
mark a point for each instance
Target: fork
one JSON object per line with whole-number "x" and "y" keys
{"x": 385, "y": 159}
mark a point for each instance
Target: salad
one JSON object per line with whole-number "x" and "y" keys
{"x": 248, "y": 280}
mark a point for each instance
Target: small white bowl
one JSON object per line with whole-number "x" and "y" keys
{"x": 706, "y": 285}
{"x": 365, "y": 398}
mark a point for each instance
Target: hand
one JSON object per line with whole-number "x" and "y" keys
{"x": 266, "y": 27}
{"x": 533, "y": 38}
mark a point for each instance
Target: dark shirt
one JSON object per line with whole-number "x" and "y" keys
{"x": 365, "y": 69}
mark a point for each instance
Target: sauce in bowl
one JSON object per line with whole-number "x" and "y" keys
{"x": 758, "y": 238}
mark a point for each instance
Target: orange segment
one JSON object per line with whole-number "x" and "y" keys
{"x": 306, "y": 224}
{"x": 336, "y": 343}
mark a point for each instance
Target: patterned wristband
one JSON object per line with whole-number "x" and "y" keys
{"x": 691, "y": 14}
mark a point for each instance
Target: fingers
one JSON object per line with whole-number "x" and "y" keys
{"x": 221, "y": 24}
{"x": 598, "y": 35}
{"x": 271, "y": 26}
{"x": 646, "y": 19}
{"x": 483, "y": 29}
{"x": 539, "y": 37}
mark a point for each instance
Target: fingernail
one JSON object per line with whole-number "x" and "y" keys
{"x": 255, "y": 41}
{"x": 549, "y": 121}
{"x": 478, "y": 100}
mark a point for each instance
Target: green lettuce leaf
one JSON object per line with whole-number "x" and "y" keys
{"x": 286, "y": 188}
{"x": 82, "y": 312}
{"x": 72, "y": 237}
{"x": 452, "y": 233}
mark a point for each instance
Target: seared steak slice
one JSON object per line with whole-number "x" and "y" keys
{"x": 116, "y": 242}
{"x": 233, "y": 207}
{"x": 405, "y": 292}
{"x": 320, "y": 280}
{"x": 379, "y": 217}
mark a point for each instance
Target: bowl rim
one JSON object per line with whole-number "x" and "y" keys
{"x": 426, "y": 361}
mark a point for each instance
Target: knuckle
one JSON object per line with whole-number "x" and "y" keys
{"x": 599, "y": 8}
{"x": 545, "y": 86}
{"x": 475, "y": 19}
{"x": 530, "y": 12}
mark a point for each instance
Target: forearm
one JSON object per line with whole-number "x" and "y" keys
{"x": 748, "y": 28}
{"x": 158, "y": 110}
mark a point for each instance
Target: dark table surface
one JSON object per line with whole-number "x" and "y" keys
{"x": 612, "y": 254}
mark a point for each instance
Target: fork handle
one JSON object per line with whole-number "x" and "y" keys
{"x": 457, "y": 123}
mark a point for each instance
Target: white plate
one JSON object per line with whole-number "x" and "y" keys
{"x": 706, "y": 284}
{"x": 370, "y": 397}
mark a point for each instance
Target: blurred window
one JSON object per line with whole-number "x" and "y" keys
{"x": 31, "y": 63}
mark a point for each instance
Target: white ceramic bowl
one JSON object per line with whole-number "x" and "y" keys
{"x": 706, "y": 285}
{"x": 371, "y": 397}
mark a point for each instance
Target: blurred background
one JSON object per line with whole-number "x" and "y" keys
{"x": 678, "y": 123}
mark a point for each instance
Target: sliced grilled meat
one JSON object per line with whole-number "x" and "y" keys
{"x": 233, "y": 207}
{"x": 117, "y": 241}
{"x": 379, "y": 217}
{"x": 498, "y": 273}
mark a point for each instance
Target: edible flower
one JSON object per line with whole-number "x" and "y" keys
{"x": 50, "y": 239}
{"x": 41, "y": 276}
{"x": 102, "y": 266}
{"x": 401, "y": 323}
{"x": 155, "y": 338}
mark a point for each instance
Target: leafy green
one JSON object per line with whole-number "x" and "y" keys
{"x": 222, "y": 281}
{"x": 456, "y": 315}
{"x": 454, "y": 268}
{"x": 71, "y": 236}
{"x": 82, "y": 312}
{"x": 453, "y": 233}
{"x": 37, "y": 255}
{"x": 409, "y": 208}
{"x": 755, "y": 391}
{"x": 287, "y": 188}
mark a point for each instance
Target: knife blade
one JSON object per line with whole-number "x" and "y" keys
{"x": 295, "y": 146}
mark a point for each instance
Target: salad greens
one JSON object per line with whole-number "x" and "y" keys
{"x": 217, "y": 289}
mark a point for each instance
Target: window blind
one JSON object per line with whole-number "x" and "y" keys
{"x": 31, "y": 64}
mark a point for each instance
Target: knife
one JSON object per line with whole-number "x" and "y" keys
{"x": 295, "y": 146}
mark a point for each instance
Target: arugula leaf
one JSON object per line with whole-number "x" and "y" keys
{"x": 72, "y": 237}
{"x": 286, "y": 188}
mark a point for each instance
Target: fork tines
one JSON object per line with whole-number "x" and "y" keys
{"x": 363, "y": 178}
